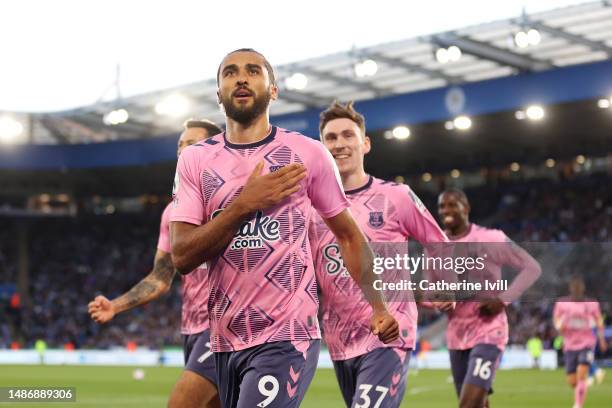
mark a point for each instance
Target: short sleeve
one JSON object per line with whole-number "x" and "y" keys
{"x": 324, "y": 187}
{"x": 188, "y": 205}
{"x": 163, "y": 242}
{"x": 415, "y": 219}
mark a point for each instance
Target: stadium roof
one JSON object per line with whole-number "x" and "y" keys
{"x": 569, "y": 36}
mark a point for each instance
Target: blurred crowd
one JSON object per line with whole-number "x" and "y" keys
{"x": 72, "y": 259}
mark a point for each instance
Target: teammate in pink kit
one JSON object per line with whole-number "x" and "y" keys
{"x": 243, "y": 203}
{"x": 574, "y": 317}
{"x": 197, "y": 386}
{"x": 369, "y": 372}
{"x": 477, "y": 331}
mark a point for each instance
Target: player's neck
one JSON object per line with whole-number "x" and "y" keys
{"x": 458, "y": 232}
{"x": 253, "y": 132}
{"x": 354, "y": 180}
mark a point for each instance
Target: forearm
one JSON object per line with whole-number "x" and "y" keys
{"x": 192, "y": 246}
{"x": 359, "y": 259}
{"x": 601, "y": 331}
{"x": 530, "y": 273}
{"x": 151, "y": 287}
{"x": 143, "y": 292}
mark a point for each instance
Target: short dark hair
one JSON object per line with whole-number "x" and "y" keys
{"x": 266, "y": 64}
{"x": 458, "y": 192}
{"x": 338, "y": 111}
{"x": 211, "y": 127}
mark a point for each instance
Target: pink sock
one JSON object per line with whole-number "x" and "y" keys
{"x": 580, "y": 393}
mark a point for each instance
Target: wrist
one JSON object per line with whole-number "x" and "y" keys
{"x": 241, "y": 207}
{"x": 379, "y": 308}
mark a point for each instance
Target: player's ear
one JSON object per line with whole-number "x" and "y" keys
{"x": 218, "y": 98}
{"x": 273, "y": 92}
{"x": 367, "y": 146}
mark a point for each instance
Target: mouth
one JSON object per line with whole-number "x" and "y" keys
{"x": 341, "y": 156}
{"x": 448, "y": 219}
{"x": 242, "y": 94}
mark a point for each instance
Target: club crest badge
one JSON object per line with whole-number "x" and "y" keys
{"x": 376, "y": 219}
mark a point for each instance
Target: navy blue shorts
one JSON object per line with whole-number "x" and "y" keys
{"x": 475, "y": 366}
{"x": 374, "y": 379}
{"x": 198, "y": 356}
{"x": 273, "y": 375}
{"x": 574, "y": 358}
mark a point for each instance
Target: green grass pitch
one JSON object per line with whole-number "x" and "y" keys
{"x": 115, "y": 387}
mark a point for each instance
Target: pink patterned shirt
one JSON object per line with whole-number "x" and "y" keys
{"x": 262, "y": 286}
{"x": 466, "y": 328}
{"x": 577, "y": 321}
{"x": 194, "y": 316}
{"x": 385, "y": 212}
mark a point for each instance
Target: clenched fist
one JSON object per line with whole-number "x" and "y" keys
{"x": 101, "y": 310}
{"x": 384, "y": 326}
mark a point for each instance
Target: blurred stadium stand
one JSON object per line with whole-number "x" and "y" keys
{"x": 80, "y": 201}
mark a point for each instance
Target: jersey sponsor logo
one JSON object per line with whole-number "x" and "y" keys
{"x": 254, "y": 232}
{"x": 333, "y": 260}
{"x": 376, "y": 219}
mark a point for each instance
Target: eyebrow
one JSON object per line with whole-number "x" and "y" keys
{"x": 232, "y": 67}
{"x": 251, "y": 66}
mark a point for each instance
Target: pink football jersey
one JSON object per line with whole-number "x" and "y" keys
{"x": 576, "y": 321}
{"x": 385, "y": 212}
{"x": 194, "y": 316}
{"x": 466, "y": 328}
{"x": 262, "y": 286}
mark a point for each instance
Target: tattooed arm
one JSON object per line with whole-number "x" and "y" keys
{"x": 155, "y": 284}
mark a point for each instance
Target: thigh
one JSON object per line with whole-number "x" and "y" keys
{"x": 381, "y": 378}
{"x": 228, "y": 381}
{"x": 346, "y": 374}
{"x": 194, "y": 391}
{"x": 459, "y": 360}
{"x": 277, "y": 375}
{"x": 482, "y": 365}
{"x": 570, "y": 358}
{"x": 199, "y": 357}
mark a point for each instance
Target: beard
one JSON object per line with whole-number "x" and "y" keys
{"x": 246, "y": 115}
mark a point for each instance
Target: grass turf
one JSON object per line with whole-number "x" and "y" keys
{"x": 115, "y": 387}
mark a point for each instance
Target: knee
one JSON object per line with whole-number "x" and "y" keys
{"x": 571, "y": 382}
{"x": 469, "y": 403}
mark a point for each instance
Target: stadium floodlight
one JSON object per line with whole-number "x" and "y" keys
{"x": 297, "y": 81}
{"x": 604, "y": 103}
{"x": 10, "y": 129}
{"x": 515, "y": 167}
{"x": 535, "y": 112}
{"x": 550, "y": 163}
{"x": 442, "y": 55}
{"x": 401, "y": 132}
{"x": 580, "y": 159}
{"x": 388, "y": 134}
{"x": 521, "y": 39}
{"x": 454, "y": 53}
{"x": 455, "y": 173}
{"x": 462, "y": 122}
{"x": 400, "y": 179}
{"x": 175, "y": 105}
{"x": 520, "y": 115}
{"x": 534, "y": 37}
{"x": 426, "y": 177}
{"x": 448, "y": 125}
{"x": 450, "y": 54}
{"x": 116, "y": 117}
{"x": 524, "y": 39}
{"x": 366, "y": 68}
